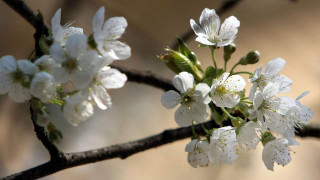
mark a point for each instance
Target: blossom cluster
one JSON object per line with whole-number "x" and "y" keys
{"x": 263, "y": 116}
{"x": 74, "y": 73}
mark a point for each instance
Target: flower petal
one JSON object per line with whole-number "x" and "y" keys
{"x": 114, "y": 27}
{"x": 8, "y": 64}
{"x": 183, "y": 81}
{"x": 183, "y": 116}
{"x": 98, "y": 20}
{"x": 57, "y": 53}
{"x": 202, "y": 90}
{"x": 235, "y": 83}
{"x": 229, "y": 28}
{"x": 27, "y": 67}
{"x": 76, "y": 45}
{"x": 19, "y": 93}
{"x": 81, "y": 79}
{"x": 112, "y": 78}
{"x": 274, "y": 67}
{"x": 209, "y": 19}
{"x": 117, "y": 50}
{"x": 197, "y": 29}
{"x": 101, "y": 97}
{"x": 256, "y": 74}
{"x": 204, "y": 41}
{"x": 61, "y": 74}
{"x": 170, "y": 99}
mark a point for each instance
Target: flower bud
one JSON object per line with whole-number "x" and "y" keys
{"x": 169, "y": 62}
{"x": 228, "y": 51}
{"x": 251, "y": 58}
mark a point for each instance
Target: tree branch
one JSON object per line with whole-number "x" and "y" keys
{"x": 226, "y": 6}
{"x": 127, "y": 149}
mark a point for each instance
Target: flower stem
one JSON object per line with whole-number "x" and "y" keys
{"x": 227, "y": 113}
{"x": 233, "y": 68}
{"x": 195, "y": 135}
{"x": 213, "y": 58}
{"x": 248, "y": 102}
{"x": 204, "y": 129}
{"x": 225, "y": 66}
{"x": 242, "y": 72}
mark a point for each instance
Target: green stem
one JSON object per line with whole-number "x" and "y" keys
{"x": 244, "y": 98}
{"x": 233, "y": 68}
{"x": 225, "y": 66}
{"x": 227, "y": 113}
{"x": 248, "y": 102}
{"x": 56, "y": 101}
{"x": 31, "y": 54}
{"x": 242, "y": 72}
{"x": 204, "y": 129}
{"x": 213, "y": 58}
{"x": 195, "y": 135}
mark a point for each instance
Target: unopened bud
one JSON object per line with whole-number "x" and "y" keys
{"x": 251, "y": 58}
{"x": 228, "y": 51}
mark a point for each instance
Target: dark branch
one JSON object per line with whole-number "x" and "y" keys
{"x": 146, "y": 77}
{"x": 21, "y": 8}
{"x": 127, "y": 149}
{"x": 226, "y": 6}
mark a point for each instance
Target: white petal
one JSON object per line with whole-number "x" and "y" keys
{"x": 57, "y": 53}
{"x": 257, "y": 74}
{"x": 235, "y": 83}
{"x": 76, "y": 46}
{"x": 115, "y": 27}
{"x": 303, "y": 95}
{"x": 170, "y": 99}
{"x": 27, "y": 67}
{"x": 70, "y": 31}
{"x": 225, "y": 42}
{"x": 271, "y": 90}
{"x": 229, "y": 28}
{"x": 98, "y": 20}
{"x": 5, "y": 83}
{"x": 43, "y": 86}
{"x": 112, "y": 78}
{"x": 274, "y": 67}
{"x": 55, "y": 25}
{"x": 183, "y": 81}
{"x": 284, "y": 82}
{"x": 199, "y": 112}
{"x": 258, "y": 100}
{"x": 18, "y": 93}
{"x": 202, "y": 90}
{"x": 197, "y": 29}
{"x": 81, "y": 79}
{"x": 101, "y": 97}
{"x": 8, "y": 64}
{"x": 210, "y": 19}
{"x": 61, "y": 74}
{"x": 118, "y": 50}
{"x": 221, "y": 80}
{"x": 204, "y": 41}
{"x": 183, "y": 116}
{"x": 190, "y": 147}
{"x": 226, "y": 100}
{"x": 253, "y": 91}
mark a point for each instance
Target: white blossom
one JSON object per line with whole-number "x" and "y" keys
{"x": 15, "y": 77}
{"x": 74, "y": 62}
{"x": 106, "y": 35}
{"x": 61, "y": 34}
{"x": 45, "y": 63}
{"x": 224, "y": 90}
{"x": 194, "y": 100}
{"x": 247, "y": 136}
{"x": 198, "y": 153}
{"x": 210, "y": 33}
{"x": 77, "y": 110}
{"x": 266, "y": 109}
{"x": 276, "y": 151}
{"x": 260, "y": 80}
{"x": 223, "y": 144}
{"x": 103, "y": 79}
{"x": 43, "y": 86}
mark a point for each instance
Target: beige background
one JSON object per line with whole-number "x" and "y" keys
{"x": 277, "y": 28}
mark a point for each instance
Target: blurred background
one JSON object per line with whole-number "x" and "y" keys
{"x": 277, "y": 28}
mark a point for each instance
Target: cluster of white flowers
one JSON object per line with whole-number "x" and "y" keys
{"x": 264, "y": 112}
{"x": 75, "y": 72}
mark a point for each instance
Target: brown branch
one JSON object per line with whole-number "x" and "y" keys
{"x": 126, "y": 149}
{"x": 226, "y": 6}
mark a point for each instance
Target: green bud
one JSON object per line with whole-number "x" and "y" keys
{"x": 228, "y": 51}
{"x": 169, "y": 62}
{"x": 267, "y": 137}
{"x": 184, "y": 64}
{"x": 251, "y": 58}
